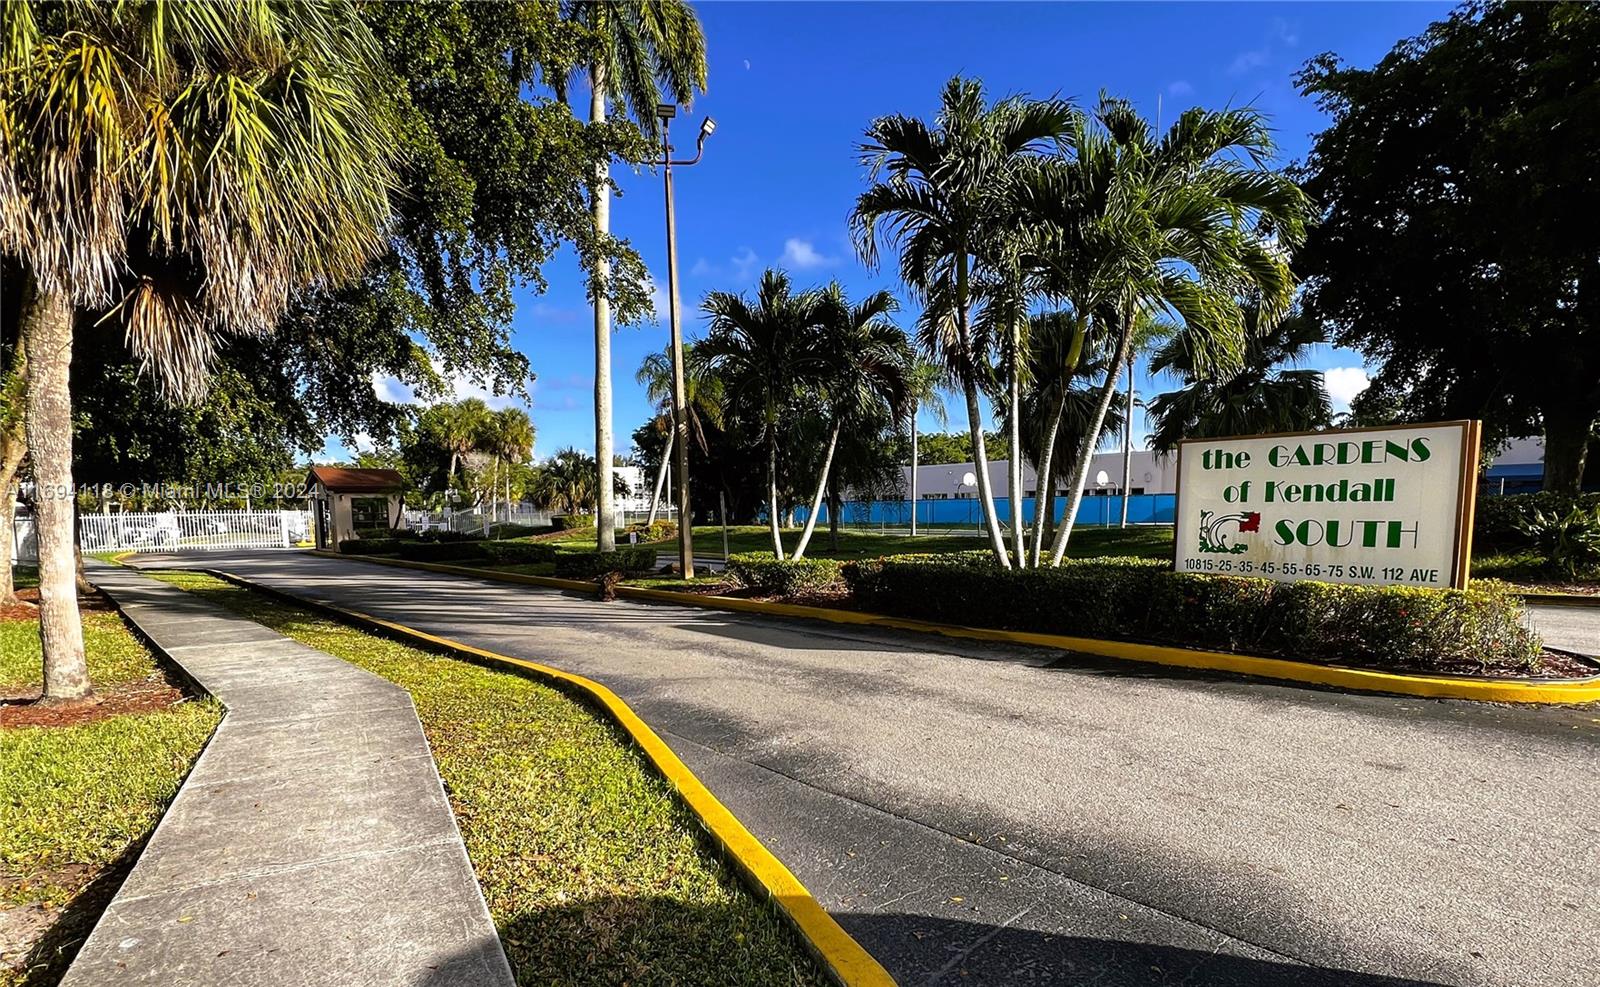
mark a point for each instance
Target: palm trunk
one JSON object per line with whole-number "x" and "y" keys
{"x": 1044, "y": 500}
{"x": 816, "y": 501}
{"x": 661, "y": 477}
{"x": 13, "y": 449}
{"x": 1014, "y": 478}
{"x": 834, "y": 506}
{"x": 1091, "y": 441}
{"x": 605, "y": 507}
{"x": 913, "y": 473}
{"x": 47, "y": 328}
{"x": 980, "y": 454}
{"x": 772, "y": 496}
{"x": 1127, "y": 445}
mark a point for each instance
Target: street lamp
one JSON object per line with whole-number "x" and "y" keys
{"x": 680, "y": 404}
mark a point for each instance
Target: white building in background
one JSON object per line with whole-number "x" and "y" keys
{"x": 1152, "y": 473}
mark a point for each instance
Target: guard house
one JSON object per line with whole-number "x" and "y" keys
{"x": 343, "y": 500}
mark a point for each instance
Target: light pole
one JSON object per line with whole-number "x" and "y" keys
{"x": 680, "y": 403}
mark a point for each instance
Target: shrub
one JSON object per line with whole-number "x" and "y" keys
{"x": 1570, "y": 542}
{"x": 763, "y": 572}
{"x": 517, "y": 552}
{"x": 444, "y": 535}
{"x": 588, "y": 564}
{"x": 510, "y": 530}
{"x": 1499, "y": 523}
{"x": 369, "y": 546}
{"x": 385, "y": 533}
{"x": 656, "y": 530}
{"x": 1144, "y": 600}
{"x": 443, "y": 551}
{"x": 572, "y": 522}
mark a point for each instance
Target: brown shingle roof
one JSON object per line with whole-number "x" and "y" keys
{"x": 339, "y": 479}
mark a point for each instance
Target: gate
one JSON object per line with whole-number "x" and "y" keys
{"x": 176, "y": 531}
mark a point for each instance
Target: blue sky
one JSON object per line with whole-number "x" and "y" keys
{"x": 792, "y": 85}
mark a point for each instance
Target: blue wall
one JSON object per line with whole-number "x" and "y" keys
{"x": 1142, "y": 509}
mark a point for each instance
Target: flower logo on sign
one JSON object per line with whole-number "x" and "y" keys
{"x": 1214, "y": 536}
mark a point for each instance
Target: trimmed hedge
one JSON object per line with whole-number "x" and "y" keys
{"x": 517, "y": 552}
{"x": 765, "y": 573}
{"x": 369, "y": 546}
{"x": 1497, "y": 523}
{"x": 385, "y": 533}
{"x": 572, "y": 522}
{"x": 443, "y": 551}
{"x": 588, "y": 564}
{"x": 656, "y": 530}
{"x": 442, "y": 535}
{"x": 507, "y": 529}
{"x": 1144, "y": 600}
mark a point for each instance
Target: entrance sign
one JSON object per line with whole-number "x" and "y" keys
{"x": 1380, "y": 506}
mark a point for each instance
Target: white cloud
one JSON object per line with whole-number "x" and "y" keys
{"x": 747, "y": 65}
{"x": 801, "y": 254}
{"x": 1248, "y": 60}
{"x": 1181, "y": 87}
{"x": 1344, "y": 383}
{"x": 702, "y": 268}
{"x": 741, "y": 266}
{"x": 658, "y": 300}
{"x": 391, "y": 390}
{"x": 744, "y": 263}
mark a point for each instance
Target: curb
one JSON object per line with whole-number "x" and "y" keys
{"x": 849, "y": 964}
{"x": 1496, "y": 690}
{"x": 1561, "y": 599}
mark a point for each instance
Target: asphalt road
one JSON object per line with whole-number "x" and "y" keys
{"x": 988, "y": 815}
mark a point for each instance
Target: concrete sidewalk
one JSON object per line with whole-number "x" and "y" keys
{"x": 311, "y": 844}
{"x": 982, "y": 814}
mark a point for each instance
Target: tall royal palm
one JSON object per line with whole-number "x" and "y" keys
{"x": 769, "y": 356}
{"x": 940, "y": 196}
{"x": 1267, "y": 393}
{"x": 702, "y": 395}
{"x": 863, "y": 379}
{"x": 1182, "y": 226}
{"x": 182, "y": 168}
{"x": 642, "y": 47}
{"x": 510, "y": 433}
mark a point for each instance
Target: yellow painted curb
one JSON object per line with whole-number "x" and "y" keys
{"x": 841, "y": 955}
{"x": 1554, "y": 691}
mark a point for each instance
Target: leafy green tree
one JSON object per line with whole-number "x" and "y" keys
{"x": 187, "y": 168}
{"x": 1265, "y": 394}
{"x": 509, "y": 435}
{"x": 458, "y": 429}
{"x": 863, "y": 381}
{"x": 767, "y": 352}
{"x": 940, "y": 197}
{"x": 1457, "y": 248}
{"x": 638, "y": 49}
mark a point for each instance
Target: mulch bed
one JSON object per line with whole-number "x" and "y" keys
{"x": 144, "y": 696}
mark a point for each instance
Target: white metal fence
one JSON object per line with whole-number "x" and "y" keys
{"x": 24, "y": 547}
{"x": 169, "y": 531}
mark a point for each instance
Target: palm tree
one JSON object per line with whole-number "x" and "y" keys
{"x": 183, "y": 168}
{"x": 924, "y": 383}
{"x": 641, "y": 48}
{"x": 864, "y": 379}
{"x": 768, "y": 355}
{"x": 509, "y": 436}
{"x": 702, "y": 396}
{"x": 940, "y": 196}
{"x": 566, "y": 482}
{"x": 1182, "y": 226}
{"x": 1260, "y": 397}
{"x": 1148, "y": 333}
{"x": 459, "y": 428}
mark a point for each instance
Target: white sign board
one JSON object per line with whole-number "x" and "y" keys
{"x": 1373, "y": 506}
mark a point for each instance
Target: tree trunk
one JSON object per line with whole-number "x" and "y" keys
{"x": 1014, "y": 462}
{"x": 772, "y": 496}
{"x": 605, "y": 505}
{"x": 1044, "y": 500}
{"x": 1091, "y": 440}
{"x": 834, "y": 506}
{"x": 1127, "y": 445}
{"x": 47, "y": 327}
{"x": 969, "y": 385}
{"x": 1567, "y": 428}
{"x": 913, "y": 474}
{"x": 661, "y": 476}
{"x": 816, "y": 501}
{"x": 13, "y": 449}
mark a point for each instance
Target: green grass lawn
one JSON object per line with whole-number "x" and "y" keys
{"x": 76, "y": 802}
{"x": 594, "y": 872}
